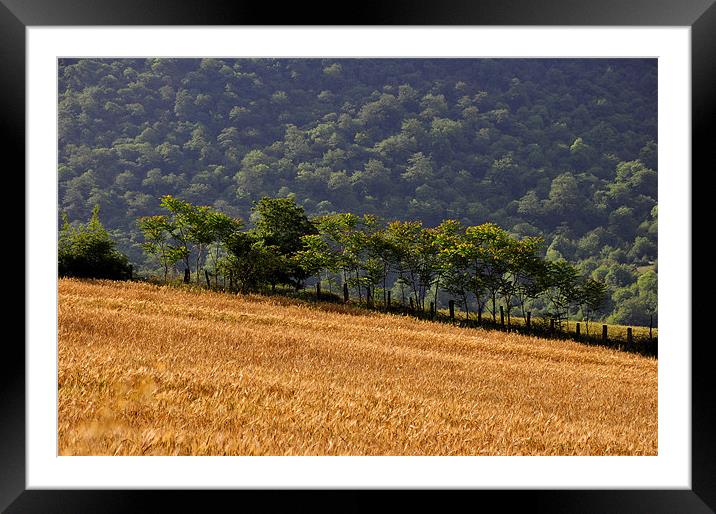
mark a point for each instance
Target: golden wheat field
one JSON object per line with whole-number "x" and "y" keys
{"x": 150, "y": 370}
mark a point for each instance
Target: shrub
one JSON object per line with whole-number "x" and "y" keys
{"x": 88, "y": 251}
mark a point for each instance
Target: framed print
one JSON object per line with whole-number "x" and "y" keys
{"x": 59, "y": 54}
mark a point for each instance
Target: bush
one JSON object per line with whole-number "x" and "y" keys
{"x": 88, "y": 251}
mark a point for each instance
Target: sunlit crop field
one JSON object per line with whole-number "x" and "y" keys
{"x": 149, "y": 370}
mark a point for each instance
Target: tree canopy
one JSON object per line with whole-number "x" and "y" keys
{"x": 88, "y": 251}
{"x": 563, "y": 149}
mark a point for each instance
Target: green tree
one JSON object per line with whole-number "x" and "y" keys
{"x": 281, "y": 223}
{"x": 525, "y": 271}
{"x": 200, "y": 232}
{"x": 252, "y": 177}
{"x": 381, "y": 254}
{"x": 555, "y": 148}
{"x": 417, "y": 257}
{"x": 590, "y": 296}
{"x": 315, "y": 257}
{"x": 562, "y": 288}
{"x": 455, "y": 264}
{"x": 333, "y": 229}
{"x": 250, "y": 263}
{"x": 87, "y": 250}
{"x": 419, "y": 170}
{"x": 157, "y": 231}
{"x": 220, "y": 228}
{"x": 180, "y": 223}
{"x": 491, "y": 246}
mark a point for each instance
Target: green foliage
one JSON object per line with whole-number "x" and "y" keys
{"x": 590, "y": 297}
{"x": 156, "y": 231}
{"x": 478, "y": 265}
{"x": 87, "y": 250}
{"x": 416, "y": 255}
{"x": 315, "y": 255}
{"x": 281, "y": 223}
{"x": 250, "y": 262}
{"x": 637, "y": 303}
{"x": 562, "y": 148}
{"x": 562, "y": 288}
{"x": 187, "y": 231}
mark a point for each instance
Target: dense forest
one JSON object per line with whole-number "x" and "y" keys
{"x": 562, "y": 149}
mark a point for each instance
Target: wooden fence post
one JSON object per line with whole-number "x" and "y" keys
{"x": 529, "y": 315}
{"x": 432, "y": 310}
{"x": 630, "y": 338}
{"x": 411, "y": 304}
{"x": 187, "y": 275}
{"x": 345, "y": 292}
{"x": 577, "y": 330}
{"x": 318, "y": 290}
{"x": 551, "y": 324}
{"x": 451, "y": 306}
{"x": 604, "y": 333}
{"x": 651, "y": 323}
{"x": 502, "y": 316}
{"x": 369, "y": 297}
{"x": 388, "y": 304}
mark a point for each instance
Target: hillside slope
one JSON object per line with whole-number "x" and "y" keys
{"x": 163, "y": 371}
{"x": 562, "y": 148}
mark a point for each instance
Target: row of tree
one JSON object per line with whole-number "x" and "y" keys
{"x": 482, "y": 267}
{"x": 565, "y": 149}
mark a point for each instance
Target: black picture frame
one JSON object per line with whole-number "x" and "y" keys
{"x": 699, "y": 15}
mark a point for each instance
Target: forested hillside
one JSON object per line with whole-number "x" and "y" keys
{"x": 559, "y": 148}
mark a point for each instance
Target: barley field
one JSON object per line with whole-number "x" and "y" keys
{"x": 151, "y": 370}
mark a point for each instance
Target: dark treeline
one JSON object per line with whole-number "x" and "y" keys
{"x": 481, "y": 267}
{"x": 563, "y": 149}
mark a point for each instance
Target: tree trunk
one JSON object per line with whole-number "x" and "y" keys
{"x": 385, "y": 295}
{"x": 435, "y": 297}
